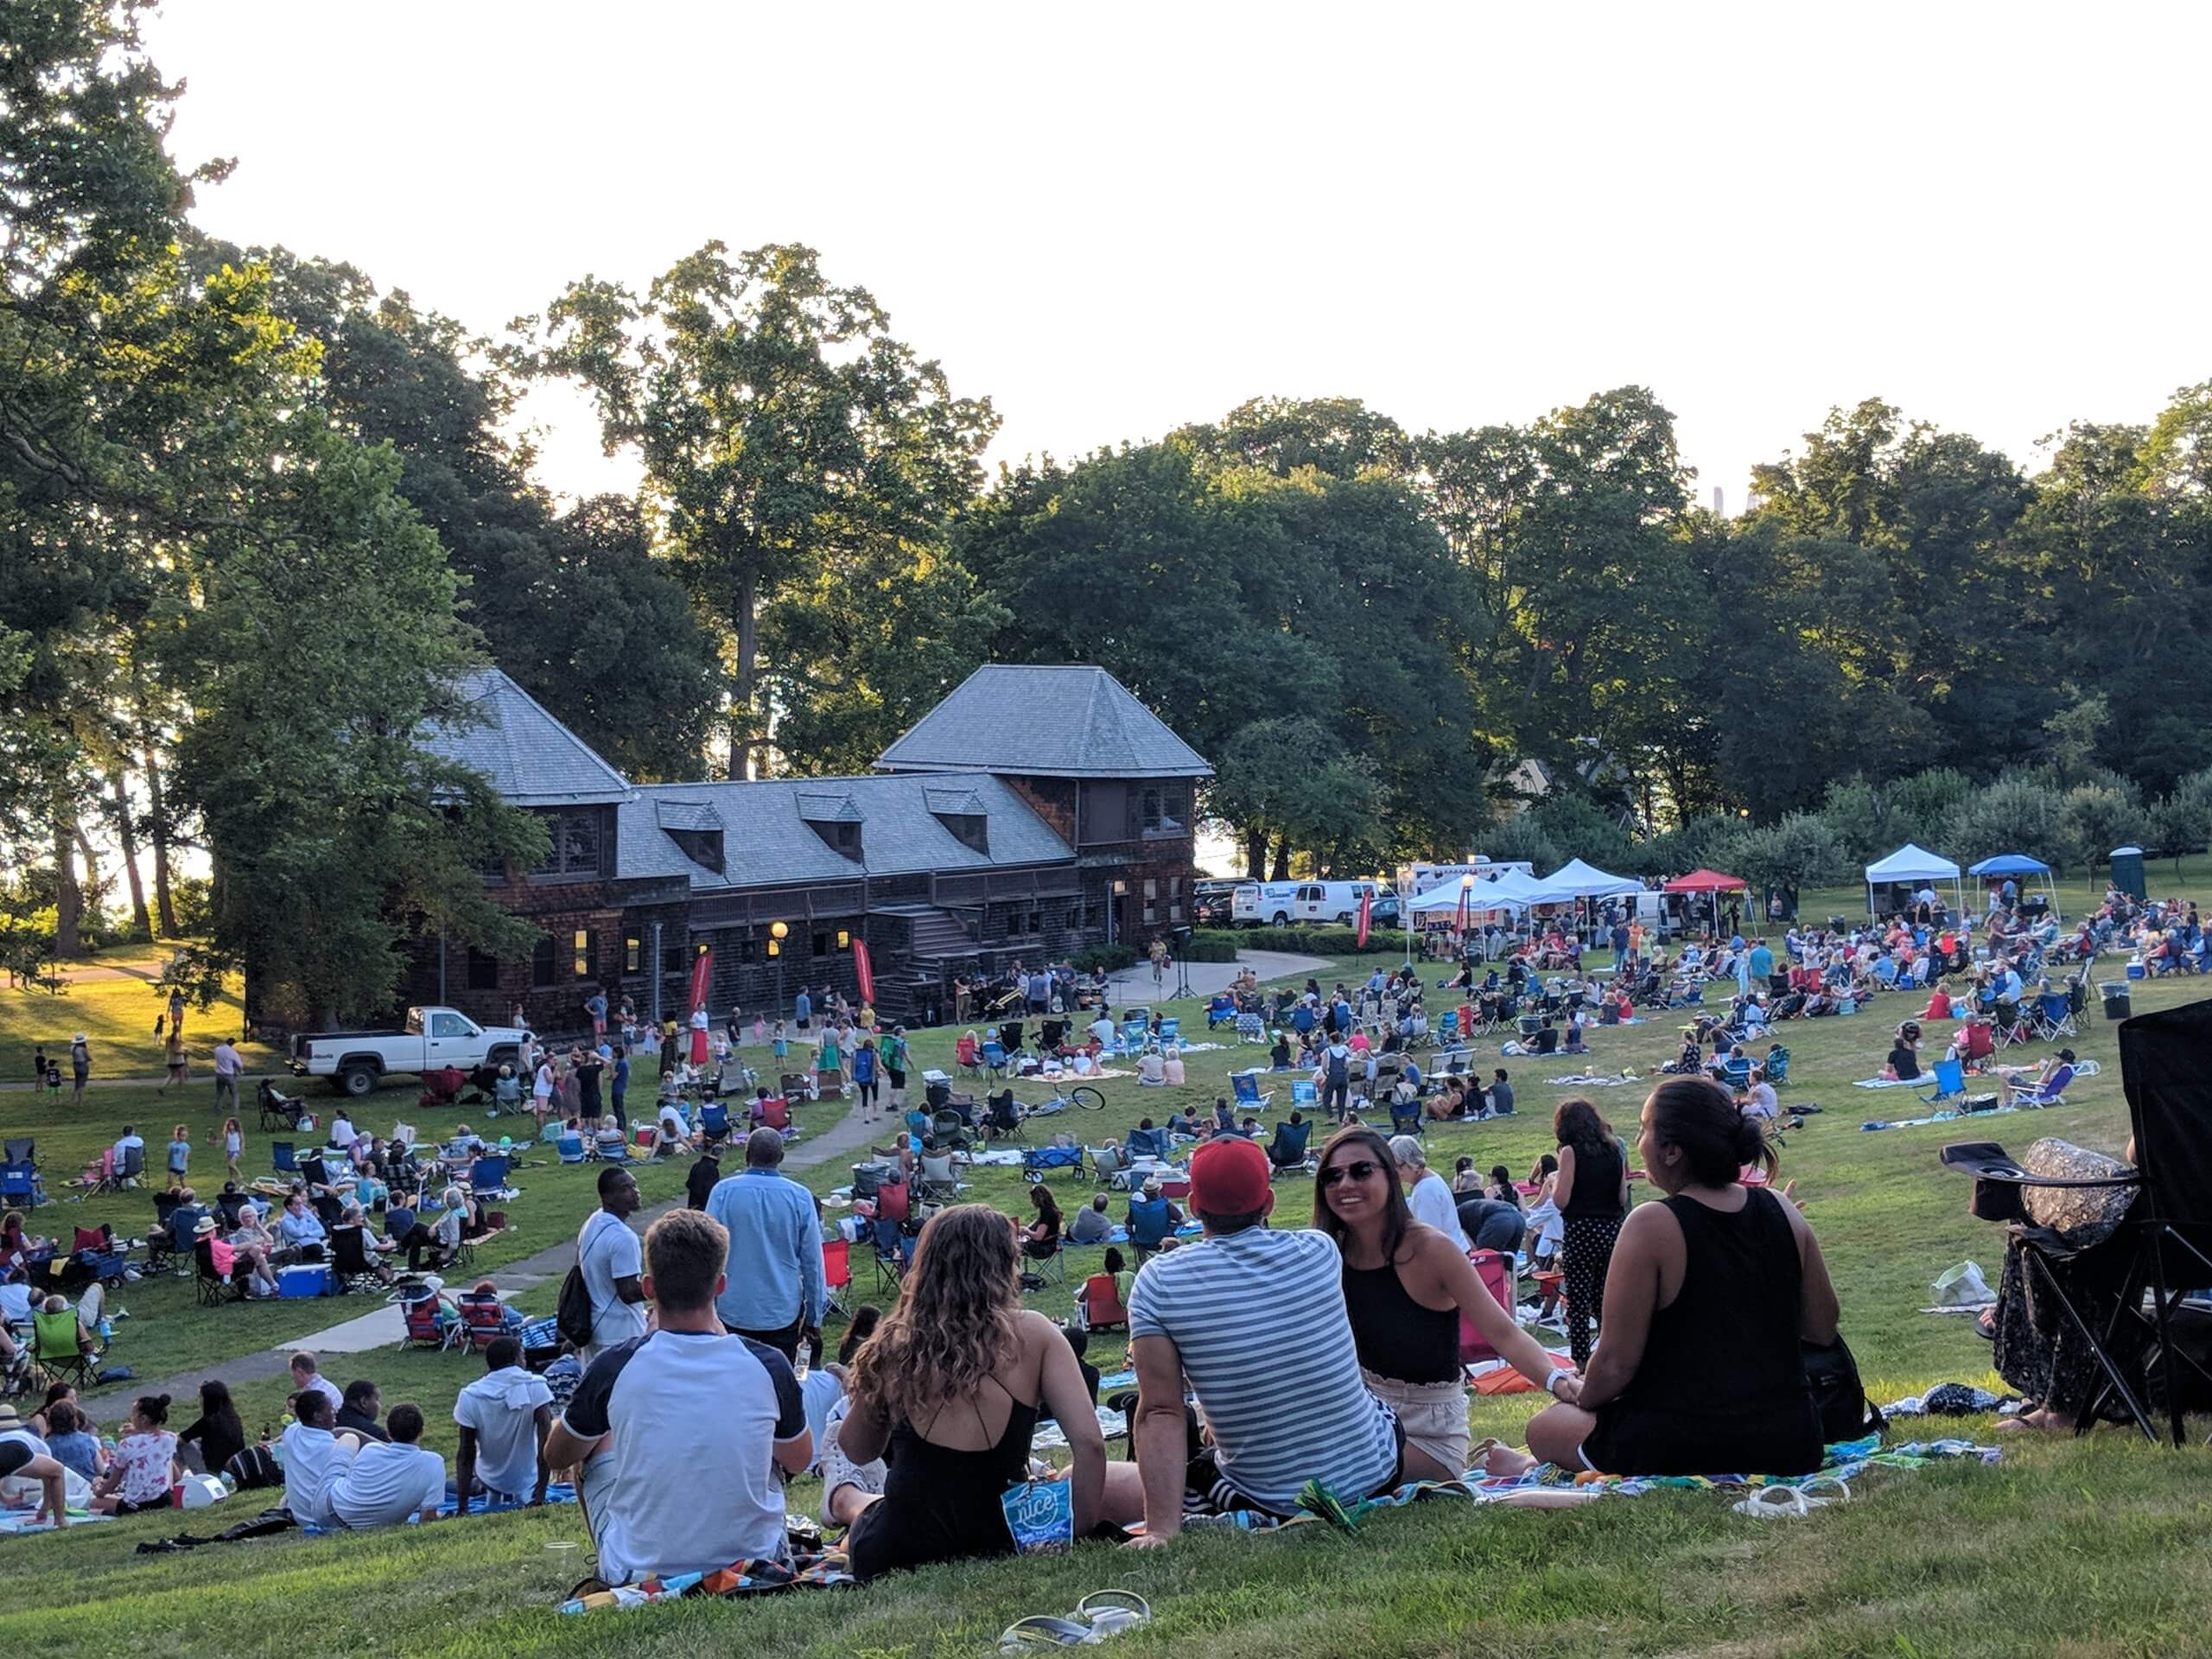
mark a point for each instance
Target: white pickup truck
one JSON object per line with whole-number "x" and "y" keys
{"x": 431, "y": 1040}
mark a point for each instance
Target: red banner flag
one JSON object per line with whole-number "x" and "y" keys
{"x": 1366, "y": 908}
{"x": 1459, "y": 922}
{"x": 703, "y": 974}
{"x": 864, "y": 971}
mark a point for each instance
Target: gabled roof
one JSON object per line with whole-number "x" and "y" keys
{"x": 768, "y": 839}
{"x": 686, "y": 815}
{"x": 952, "y": 801}
{"x": 1044, "y": 721}
{"x": 531, "y": 758}
{"x": 829, "y": 806}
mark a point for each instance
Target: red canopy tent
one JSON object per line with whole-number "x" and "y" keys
{"x": 1704, "y": 881}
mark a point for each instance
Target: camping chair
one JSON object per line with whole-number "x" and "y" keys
{"x": 2051, "y": 1017}
{"x": 1221, "y": 1010}
{"x": 487, "y": 1177}
{"x": 1406, "y": 1117}
{"x": 571, "y": 1148}
{"x": 1149, "y": 1225}
{"x": 209, "y": 1287}
{"x": 935, "y": 1180}
{"x": 20, "y": 1150}
{"x": 134, "y": 1166}
{"x": 484, "y": 1321}
{"x": 1777, "y": 1066}
{"x": 1144, "y": 1143}
{"x": 19, "y": 1187}
{"x": 994, "y": 1058}
{"x": 1250, "y": 1028}
{"x": 1133, "y": 1035}
{"x": 837, "y": 1274}
{"x": 2051, "y": 1091}
{"x": 1110, "y": 1163}
{"x": 1002, "y": 1117}
{"x": 1496, "y": 1270}
{"x": 1171, "y": 1029}
{"x": 54, "y": 1348}
{"x": 351, "y": 1262}
{"x": 1051, "y": 1268}
{"x": 1304, "y": 1096}
{"x": 949, "y": 1130}
{"x": 1286, "y": 1152}
{"x": 419, "y": 1309}
{"x": 773, "y": 1113}
{"x": 1947, "y": 1081}
{"x": 1101, "y": 1303}
{"x": 158, "y": 1250}
{"x": 1737, "y": 1074}
{"x": 713, "y": 1120}
{"x": 1246, "y": 1086}
{"x": 890, "y": 1254}
{"x": 1447, "y": 1028}
{"x": 2006, "y": 1027}
{"x": 282, "y": 1158}
{"x": 278, "y": 1109}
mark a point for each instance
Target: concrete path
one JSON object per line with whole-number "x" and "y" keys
{"x": 382, "y": 1326}
{"x": 1133, "y": 985}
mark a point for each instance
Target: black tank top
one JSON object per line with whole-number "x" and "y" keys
{"x": 1395, "y": 1336}
{"x": 1742, "y": 1297}
{"x": 1596, "y": 1194}
{"x": 940, "y": 1504}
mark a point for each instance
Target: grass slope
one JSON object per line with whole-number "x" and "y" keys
{"x": 2089, "y": 1549}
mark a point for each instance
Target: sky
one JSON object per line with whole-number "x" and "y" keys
{"x": 1112, "y": 221}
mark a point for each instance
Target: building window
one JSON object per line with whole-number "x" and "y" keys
{"x": 1036, "y": 921}
{"x": 748, "y": 950}
{"x": 671, "y": 959}
{"x": 585, "y": 947}
{"x": 1174, "y": 912}
{"x": 543, "y": 963}
{"x": 1151, "y": 893}
{"x": 1167, "y": 810}
{"x": 633, "y": 954}
{"x": 574, "y": 838}
{"x": 821, "y": 944}
{"x": 483, "y": 972}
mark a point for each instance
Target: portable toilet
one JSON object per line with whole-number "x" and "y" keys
{"x": 2127, "y": 873}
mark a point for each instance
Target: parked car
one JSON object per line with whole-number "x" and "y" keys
{"x": 1212, "y": 904}
{"x": 430, "y": 1039}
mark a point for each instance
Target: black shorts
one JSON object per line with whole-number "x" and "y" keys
{"x": 898, "y": 1078}
{"x": 1207, "y": 1491}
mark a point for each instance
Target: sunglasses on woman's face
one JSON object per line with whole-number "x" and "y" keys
{"x": 1361, "y": 1171}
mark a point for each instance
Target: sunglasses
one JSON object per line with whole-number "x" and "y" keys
{"x": 1361, "y": 1171}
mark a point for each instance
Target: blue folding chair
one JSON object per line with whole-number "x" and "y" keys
{"x": 1133, "y": 1035}
{"x": 571, "y": 1147}
{"x": 1777, "y": 1066}
{"x": 1221, "y": 1011}
{"x": 1170, "y": 1029}
{"x": 280, "y": 1155}
{"x": 1247, "y": 1087}
{"x": 488, "y": 1175}
{"x": 19, "y": 1185}
{"x": 1447, "y": 1029}
{"x": 1947, "y": 1082}
{"x": 994, "y": 1060}
{"x": 1304, "y": 1096}
{"x": 713, "y": 1118}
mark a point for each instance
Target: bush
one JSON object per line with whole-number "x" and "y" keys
{"x": 1302, "y": 941}
{"x": 1213, "y": 945}
{"x": 1104, "y": 959}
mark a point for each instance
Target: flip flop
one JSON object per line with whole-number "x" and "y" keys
{"x": 1097, "y": 1616}
{"x": 1774, "y": 1503}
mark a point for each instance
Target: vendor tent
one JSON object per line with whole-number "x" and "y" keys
{"x": 1704, "y": 881}
{"x": 1581, "y": 880}
{"x": 1916, "y": 866}
{"x": 1994, "y": 870}
{"x": 1509, "y": 890}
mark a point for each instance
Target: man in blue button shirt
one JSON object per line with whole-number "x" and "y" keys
{"x": 801, "y": 1009}
{"x": 774, "y": 1292}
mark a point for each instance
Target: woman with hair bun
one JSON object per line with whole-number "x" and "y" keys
{"x": 144, "y": 1468}
{"x": 1710, "y": 1294}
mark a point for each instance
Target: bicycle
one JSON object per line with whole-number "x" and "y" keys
{"x": 1083, "y": 1096}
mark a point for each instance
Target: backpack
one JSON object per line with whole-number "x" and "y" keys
{"x": 1339, "y": 1073}
{"x": 1839, "y": 1397}
{"x": 573, "y": 1317}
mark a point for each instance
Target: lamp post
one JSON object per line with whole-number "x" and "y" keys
{"x": 777, "y": 932}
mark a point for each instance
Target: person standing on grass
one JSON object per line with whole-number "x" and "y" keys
{"x": 1716, "y": 1268}
{"x": 80, "y": 1068}
{"x": 174, "y": 1057}
{"x": 1407, "y": 1287}
{"x": 894, "y": 1054}
{"x": 608, "y": 1254}
{"x": 1591, "y": 1193}
{"x": 180, "y": 1155}
{"x": 505, "y": 1417}
{"x": 234, "y": 1145}
{"x": 774, "y": 1291}
{"x": 619, "y": 1086}
{"x": 229, "y": 1068}
{"x": 1255, "y": 1320}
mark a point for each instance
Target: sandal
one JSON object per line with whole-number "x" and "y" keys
{"x": 1097, "y": 1616}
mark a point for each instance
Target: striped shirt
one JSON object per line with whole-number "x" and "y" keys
{"x": 1258, "y": 1318}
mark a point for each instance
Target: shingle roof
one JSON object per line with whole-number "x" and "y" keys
{"x": 767, "y": 841}
{"x": 531, "y": 758}
{"x": 685, "y": 815}
{"x": 830, "y": 806}
{"x": 1046, "y": 721}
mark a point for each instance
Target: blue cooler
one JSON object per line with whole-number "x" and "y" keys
{"x": 310, "y": 1279}
{"x": 2135, "y": 970}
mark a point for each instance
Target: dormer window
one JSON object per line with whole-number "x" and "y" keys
{"x": 961, "y": 813}
{"x": 703, "y": 847}
{"x": 837, "y": 819}
{"x": 696, "y": 830}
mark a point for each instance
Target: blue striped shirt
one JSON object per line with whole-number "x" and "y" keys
{"x": 1258, "y": 1317}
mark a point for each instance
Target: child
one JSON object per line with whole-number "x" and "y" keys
{"x": 760, "y": 1030}
{"x": 145, "y": 1468}
{"x": 233, "y": 1145}
{"x": 180, "y": 1155}
{"x": 783, "y": 1044}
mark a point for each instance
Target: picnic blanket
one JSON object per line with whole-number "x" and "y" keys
{"x": 558, "y": 1492}
{"x": 1051, "y": 1436}
{"x": 1892, "y": 1083}
{"x": 810, "y": 1563}
{"x": 19, "y": 1520}
{"x": 1586, "y": 1080}
{"x": 1952, "y": 1117}
{"x": 1846, "y": 1460}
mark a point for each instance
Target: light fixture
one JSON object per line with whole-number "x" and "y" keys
{"x": 845, "y": 940}
{"x": 775, "y": 946}
{"x": 776, "y": 930}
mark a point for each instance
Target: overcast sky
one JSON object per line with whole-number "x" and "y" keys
{"x": 1114, "y": 220}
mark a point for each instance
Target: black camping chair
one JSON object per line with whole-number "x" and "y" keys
{"x": 2120, "y": 1296}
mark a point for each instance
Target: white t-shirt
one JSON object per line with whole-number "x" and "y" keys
{"x": 385, "y": 1484}
{"x": 607, "y": 1250}
{"x": 329, "y": 1390}
{"x": 1430, "y": 1199}
{"x": 682, "y": 1415}
{"x": 309, "y": 1454}
{"x": 342, "y": 1133}
{"x": 501, "y": 1406}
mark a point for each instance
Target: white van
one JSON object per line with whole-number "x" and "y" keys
{"x": 1278, "y": 904}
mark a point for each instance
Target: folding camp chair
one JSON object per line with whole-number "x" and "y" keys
{"x": 837, "y": 1273}
{"x": 487, "y": 1177}
{"x": 351, "y": 1262}
{"x": 278, "y": 1109}
{"x": 1133, "y": 1035}
{"x": 1304, "y": 1096}
{"x": 1777, "y": 1066}
{"x": 949, "y": 1129}
{"x": 890, "y": 1254}
{"x": 1171, "y": 1029}
{"x": 2006, "y": 1027}
{"x": 20, "y": 1150}
{"x": 1101, "y": 1303}
{"x": 1286, "y": 1152}
{"x": 1406, "y": 1117}
{"x": 1246, "y": 1085}
{"x": 1050, "y": 1268}
{"x": 19, "y": 1187}
{"x": 283, "y": 1159}
{"x": 56, "y": 1349}
{"x": 2050, "y": 1016}
{"x": 1496, "y": 1271}
{"x": 571, "y": 1148}
{"x": 420, "y": 1308}
{"x": 713, "y": 1120}
{"x": 1110, "y": 1165}
{"x": 209, "y": 1287}
{"x": 935, "y": 1181}
{"x": 1947, "y": 1081}
{"x": 1221, "y": 1010}
{"x": 994, "y": 1057}
{"x": 484, "y": 1321}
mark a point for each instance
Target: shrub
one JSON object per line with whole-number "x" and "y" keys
{"x": 1303, "y": 941}
{"x": 1104, "y": 959}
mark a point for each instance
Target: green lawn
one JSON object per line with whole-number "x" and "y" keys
{"x": 2089, "y": 1549}
{"x": 117, "y": 1015}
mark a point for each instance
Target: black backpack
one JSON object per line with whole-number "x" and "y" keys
{"x": 572, "y": 1317}
{"x": 1831, "y": 1377}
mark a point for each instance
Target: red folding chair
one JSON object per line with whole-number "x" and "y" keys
{"x": 1497, "y": 1273}
{"x": 1102, "y": 1303}
{"x": 837, "y": 1271}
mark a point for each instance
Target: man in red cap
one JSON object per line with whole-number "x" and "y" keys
{"x": 1255, "y": 1319}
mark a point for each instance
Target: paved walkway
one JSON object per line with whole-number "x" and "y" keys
{"x": 383, "y": 1325}
{"x": 1133, "y": 985}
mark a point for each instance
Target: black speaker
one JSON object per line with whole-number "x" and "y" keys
{"x": 1178, "y": 937}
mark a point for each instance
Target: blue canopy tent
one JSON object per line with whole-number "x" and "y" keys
{"x": 1993, "y": 871}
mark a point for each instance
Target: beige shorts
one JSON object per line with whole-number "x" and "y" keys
{"x": 1433, "y": 1416}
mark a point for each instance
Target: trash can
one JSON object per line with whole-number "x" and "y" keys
{"x": 2127, "y": 873}
{"x": 2117, "y": 1003}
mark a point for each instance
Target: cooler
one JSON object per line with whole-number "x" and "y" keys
{"x": 310, "y": 1279}
{"x": 2118, "y": 1005}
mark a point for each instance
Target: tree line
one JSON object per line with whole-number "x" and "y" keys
{"x": 258, "y": 511}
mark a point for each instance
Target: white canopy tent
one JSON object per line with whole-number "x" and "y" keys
{"x": 1581, "y": 880}
{"x": 1917, "y": 867}
{"x": 1506, "y": 892}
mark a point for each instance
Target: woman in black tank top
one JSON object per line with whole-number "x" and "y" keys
{"x": 1408, "y": 1291}
{"x": 1592, "y": 1195}
{"x": 1717, "y": 1269}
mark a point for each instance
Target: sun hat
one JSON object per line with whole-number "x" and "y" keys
{"x": 205, "y": 1226}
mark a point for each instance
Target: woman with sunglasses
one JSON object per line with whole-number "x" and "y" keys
{"x": 1717, "y": 1268}
{"x": 1406, "y": 1287}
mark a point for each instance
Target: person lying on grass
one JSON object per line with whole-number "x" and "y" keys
{"x": 1406, "y": 1287}
{"x": 1715, "y": 1269}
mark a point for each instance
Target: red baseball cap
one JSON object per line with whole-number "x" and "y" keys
{"x": 1228, "y": 1176}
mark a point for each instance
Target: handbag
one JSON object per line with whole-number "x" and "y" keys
{"x": 1839, "y": 1398}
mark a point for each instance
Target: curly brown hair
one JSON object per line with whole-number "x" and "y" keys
{"x": 954, "y": 1325}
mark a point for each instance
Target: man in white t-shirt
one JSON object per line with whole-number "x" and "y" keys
{"x": 309, "y": 1452}
{"x": 688, "y": 1410}
{"x": 608, "y": 1252}
{"x": 503, "y": 1416}
{"x": 1427, "y": 1194}
{"x": 384, "y": 1483}
{"x": 306, "y": 1375}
